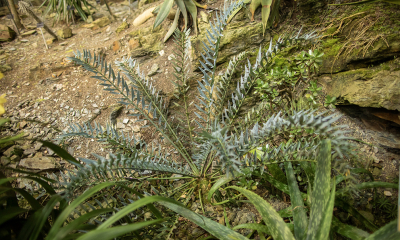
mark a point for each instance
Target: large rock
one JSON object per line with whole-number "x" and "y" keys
{"x": 104, "y": 21}
{"x": 150, "y": 41}
{"x": 101, "y": 22}
{"x": 365, "y": 88}
{"x": 378, "y": 52}
{"x": 40, "y": 163}
{"x": 6, "y": 33}
{"x": 238, "y": 37}
{"x": 65, "y": 33}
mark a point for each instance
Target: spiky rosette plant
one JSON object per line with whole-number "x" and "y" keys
{"x": 207, "y": 142}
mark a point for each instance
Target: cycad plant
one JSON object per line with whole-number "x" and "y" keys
{"x": 209, "y": 142}
{"x": 212, "y": 146}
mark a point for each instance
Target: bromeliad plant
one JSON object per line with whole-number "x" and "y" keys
{"x": 184, "y": 6}
{"x": 207, "y": 142}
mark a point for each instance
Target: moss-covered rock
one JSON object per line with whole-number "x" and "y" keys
{"x": 64, "y": 33}
{"x": 238, "y": 37}
{"x": 379, "y": 51}
{"x": 364, "y": 87}
{"x": 150, "y": 41}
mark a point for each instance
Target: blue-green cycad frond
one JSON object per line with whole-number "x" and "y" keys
{"x": 233, "y": 151}
{"x": 224, "y": 83}
{"x": 110, "y": 135}
{"x": 251, "y": 73}
{"x": 242, "y": 90}
{"x": 207, "y": 87}
{"x": 139, "y": 93}
{"x": 119, "y": 168}
{"x": 181, "y": 60}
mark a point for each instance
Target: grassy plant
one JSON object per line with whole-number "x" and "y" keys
{"x": 63, "y": 11}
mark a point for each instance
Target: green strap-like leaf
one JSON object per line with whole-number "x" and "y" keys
{"x": 279, "y": 185}
{"x": 173, "y": 26}
{"x": 325, "y": 226}
{"x": 153, "y": 209}
{"x": 220, "y": 182}
{"x": 350, "y": 209}
{"x": 31, "y": 200}
{"x": 68, "y": 210}
{"x": 348, "y": 231}
{"x": 13, "y": 138}
{"x": 79, "y": 222}
{"x": 9, "y": 213}
{"x": 6, "y": 180}
{"x": 128, "y": 209}
{"x": 320, "y": 191}
{"x": 3, "y": 121}
{"x": 35, "y": 223}
{"x": 62, "y": 153}
{"x": 111, "y": 233}
{"x": 259, "y": 227}
{"x": 299, "y": 214}
{"x": 389, "y": 231}
{"x": 163, "y": 12}
{"x": 266, "y": 10}
{"x": 367, "y": 185}
{"x": 275, "y": 223}
{"x": 181, "y": 6}
{"x": 191, "y": 7}
{"x": 277, "y": 172}
{"x": 217, "y": 230}
{"x": 309, "y": 169}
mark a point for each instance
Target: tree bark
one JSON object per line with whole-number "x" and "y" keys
{"x": 15, "y": 14}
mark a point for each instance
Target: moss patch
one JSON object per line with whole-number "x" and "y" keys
{"x": 330, "y": 42}
{"x": 333, "y": 50}
{"x": 331, "y": 30}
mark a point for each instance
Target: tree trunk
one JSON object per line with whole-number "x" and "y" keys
{"x": 15, "y": 14}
